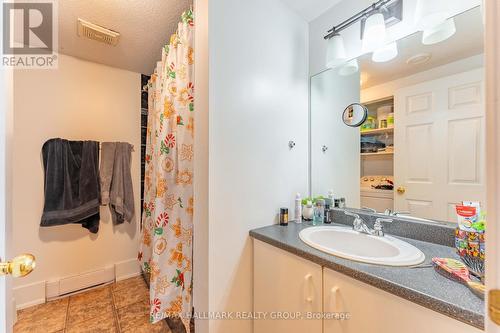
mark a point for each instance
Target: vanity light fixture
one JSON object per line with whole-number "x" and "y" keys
{"x": 439, "y": 33}
{"x": 386, "y": 53}
{"x": 374, "y": 21}
{"x": 430, "y": 13}
{"x": 336, "y": 51}
{"x": 374, "y": 35}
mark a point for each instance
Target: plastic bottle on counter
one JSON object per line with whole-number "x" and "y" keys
{"x": 298, "y": 208}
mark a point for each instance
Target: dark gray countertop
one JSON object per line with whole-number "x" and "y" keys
{"x": 423, "y": 286}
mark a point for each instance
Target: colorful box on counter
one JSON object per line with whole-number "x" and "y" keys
{"x": 470, "y": 243}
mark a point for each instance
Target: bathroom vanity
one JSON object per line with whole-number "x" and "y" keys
{"x": 302, "y": 289}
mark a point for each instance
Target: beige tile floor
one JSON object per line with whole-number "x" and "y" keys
{"x": 121, "y": 307}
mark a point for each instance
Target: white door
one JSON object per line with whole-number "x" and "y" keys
{"x": 439, "y": 143}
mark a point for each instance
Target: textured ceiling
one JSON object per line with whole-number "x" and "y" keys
{"x": 145, "y": 26}
{"x": 311, "y": 9}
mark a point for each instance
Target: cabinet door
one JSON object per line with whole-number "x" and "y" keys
{"x": 286, "y": 289}
{"x": 376, "y": 311}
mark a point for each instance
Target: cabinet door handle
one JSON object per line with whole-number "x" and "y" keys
{"x": 334, "y": 292}
{"x": 308, "y": 279}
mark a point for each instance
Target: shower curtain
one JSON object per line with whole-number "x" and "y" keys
{"x": 166, "y": 244}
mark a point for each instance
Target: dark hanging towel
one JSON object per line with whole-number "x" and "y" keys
{"x": 71, "y": 183}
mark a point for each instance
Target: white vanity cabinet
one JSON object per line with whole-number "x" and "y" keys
{"x": 285, "y": 284}
{"x": 376, "y": 311}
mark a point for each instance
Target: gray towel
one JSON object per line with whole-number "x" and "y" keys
{"x": 71, "y": 183}
{"x": 116, "y": 181}
{"x": 106, "y": 170}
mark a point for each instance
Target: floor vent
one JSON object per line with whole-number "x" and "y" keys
{"x": 95, "y": 32}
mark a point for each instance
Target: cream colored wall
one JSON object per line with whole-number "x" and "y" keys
{"x": 79, "y": 101}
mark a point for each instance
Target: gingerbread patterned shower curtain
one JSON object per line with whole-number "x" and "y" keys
{"x": 166, "y": 244}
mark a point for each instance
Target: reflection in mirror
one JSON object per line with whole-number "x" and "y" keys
{"x": 355, "y": 115}
{"x": 420, "y": 151}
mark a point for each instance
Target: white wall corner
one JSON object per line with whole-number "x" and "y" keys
{"x": 127, "y": 269}
{"x": 29, "y": 295}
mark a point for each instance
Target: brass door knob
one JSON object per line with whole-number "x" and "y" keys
{"x": 19, "y": 266}
{"x": 401, "y": 190}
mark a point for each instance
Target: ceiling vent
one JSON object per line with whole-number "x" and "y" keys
{"x": 98, "y": 33}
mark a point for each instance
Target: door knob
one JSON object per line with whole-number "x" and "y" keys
{"x": 19, "y": 266}
{"x": 401, "y": 190}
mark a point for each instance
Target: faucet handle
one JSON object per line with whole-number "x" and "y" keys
{"x": 379, "y": 231}
{"x": 379, "y": 221}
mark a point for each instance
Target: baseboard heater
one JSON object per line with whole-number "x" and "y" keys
{"x": 74, "y": 284}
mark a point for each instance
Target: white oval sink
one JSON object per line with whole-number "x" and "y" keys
{"x": 349, "y": 244}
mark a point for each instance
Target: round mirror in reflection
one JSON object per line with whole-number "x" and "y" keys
{"x": 355, "y": 115}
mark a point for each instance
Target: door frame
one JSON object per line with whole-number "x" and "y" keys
{"x": 492, "y": 64}
{"x": 7, "y": 316}
{"x": 7, "y": 311}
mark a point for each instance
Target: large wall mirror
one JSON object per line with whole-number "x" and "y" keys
{"x": 421, "y": 150}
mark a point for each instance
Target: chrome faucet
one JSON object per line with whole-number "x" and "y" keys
{"x": 360, "y": 226}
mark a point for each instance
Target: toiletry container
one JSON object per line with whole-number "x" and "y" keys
{"x": 298, "y": 208}
{"x": 390, "y": 120}
{"x": 328, "y": 214}
{"x": 284, "y": 216}
{"x": 319, "y": 212}
{"x": 342, "y": 203}
{"x": 382, "y": 115}
{"x": 331, "y": 199}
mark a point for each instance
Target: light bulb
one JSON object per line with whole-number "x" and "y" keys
{"x": 430, "y": 13}
{"x": 439, "y": 33}
{"x": 335, "y": 54}
{"x": 374, "y": 35}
